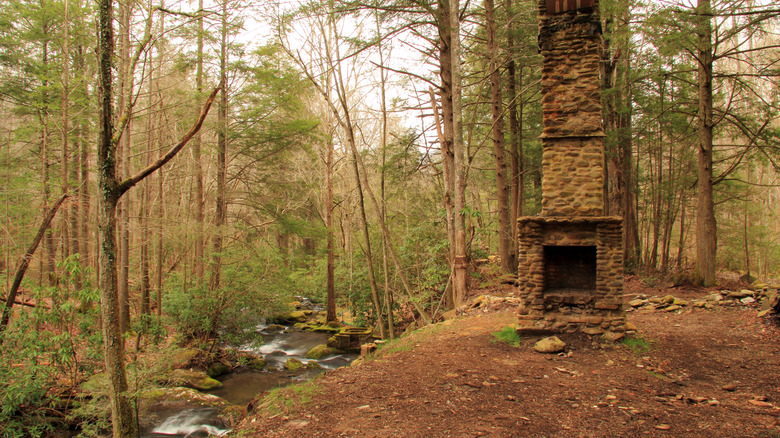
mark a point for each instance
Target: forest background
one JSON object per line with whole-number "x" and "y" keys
{"x": 348, "y": 158}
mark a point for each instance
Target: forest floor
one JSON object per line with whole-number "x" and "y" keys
{"x": 694, "y": 372}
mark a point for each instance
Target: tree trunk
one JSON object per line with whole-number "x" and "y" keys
{"x": 388, "y": 295}
{"x": 505, "y": 238}
{"x": 222, "y": 127}
{"x": 515, "y": 127}
{"x": 124, "y": 425}
{"x": 196, "y": 147}
{"x": 447, "y": 133}
{"x": 364, "y": 226}
{"x": 460, "y": 280}
{"x": 65, "y": 137}
{"x": 123, "y": 164}
{"x": 706, "y": 227}
{"x": 328, "y": 207}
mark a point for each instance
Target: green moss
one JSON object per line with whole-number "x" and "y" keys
{"x": 508, "y": 335}
{"x": 257, "y": 363}
{"x": 288, "y": 399}
{"x": 637, "y": 344}
{"x": 293, "y": 364}
{"x": 326, "y": 328}
{"x": 320, "y": 352}
{"x": 193, "y": 379}
{"x": 208, "y": 384}
{"x": 217, "y": 369}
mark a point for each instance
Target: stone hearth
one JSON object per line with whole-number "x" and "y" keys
{"x": 571, "y": 256}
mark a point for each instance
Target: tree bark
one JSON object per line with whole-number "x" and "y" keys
{"x": 328, "y": 207}
{"x": 460, "y": 274}
{"x": 706, "y": 226}
{"x": 505, "y": 238}
{"x": 196, "y": 152}
{"x": 515, "y": 126}
{"x": 388, "y": 295}
{"x": 222, "y": 133}
{"x": 111, "y": 191}
{"x": 123, "y": 163}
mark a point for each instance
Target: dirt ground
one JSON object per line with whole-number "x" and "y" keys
{"x": 713, "y": 373}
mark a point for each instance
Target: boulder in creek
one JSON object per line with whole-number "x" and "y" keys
{"x": 293, "y": 364}
{"x": 193, "y": 379}
{"x": 320, "y": 352}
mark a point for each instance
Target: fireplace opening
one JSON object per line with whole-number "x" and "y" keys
{"x": 570, "y": 268}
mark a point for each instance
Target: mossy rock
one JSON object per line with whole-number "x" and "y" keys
{"x": 217, "y": 369}
{"x": 320, "y": 351}
{"x": 313, "y": 365}
{"x": 289, "y": 317}
{"x": 275, "y": 327}
{"x": 193, "y": 379}
{"x": 293, "y": 364}
{"x": 296, "y": 316}
{"x": 257, "y": 363}
{"x": 326, "y": 329}
{"x": 182, "y": 358}
{"x": 175, "y": 395}
{"x": 301, "y": 326}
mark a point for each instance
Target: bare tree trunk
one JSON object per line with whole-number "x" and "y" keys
{"x": 515, "y": 126}
{"x": 460, "y": 280}
{"x": 48, "y": 243}
{"x": 65, "y": 137}
{"x": 328, "y": 207}
{"x": 222, "y": 127}
{"x": 388, "y": 295}
{"x": 505, "y": 238}
{"x": 364, "y": 226}
{"x": 706, "y": 227}
{"x": 196, "y": 152}
{"x": 123, "y": 164}
{"x": 159, "y": 229}
{"x": 447, "y": 135}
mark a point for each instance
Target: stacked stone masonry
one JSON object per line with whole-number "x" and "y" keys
{"x": 572, "y": 218}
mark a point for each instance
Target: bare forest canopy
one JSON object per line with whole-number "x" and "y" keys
{"x": 365, "y": 154}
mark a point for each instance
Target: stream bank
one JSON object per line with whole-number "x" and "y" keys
{"x": 284, "y": 351}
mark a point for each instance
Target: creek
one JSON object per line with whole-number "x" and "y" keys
{"x": 279, "y": 344}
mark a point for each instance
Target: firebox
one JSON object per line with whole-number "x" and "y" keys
{"x": 571, "y": 255}
{"x": 569, "y": 269}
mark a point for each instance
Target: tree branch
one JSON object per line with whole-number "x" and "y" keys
{"x": 25, "y": 262}
{"x": 135, "y": 179}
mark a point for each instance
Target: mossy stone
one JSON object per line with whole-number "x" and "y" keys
{"x": 320, "y": 352}
{"x": 217, "y": 369}
{"x": 313, "y": 365}
{"x": 293, "y": 364}
{"x": 193, "y": 379}
{"x": 257, "y": 363}
{"x": 182, "y": 358}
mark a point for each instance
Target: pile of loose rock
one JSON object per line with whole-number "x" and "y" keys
{"x": 767, "y": 298}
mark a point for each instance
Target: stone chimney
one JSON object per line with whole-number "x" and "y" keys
{"x": 570, "y": 257}
{"x": 573, "y": 135}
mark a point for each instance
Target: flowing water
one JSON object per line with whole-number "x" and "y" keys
{"x": 278, "y": 346}
{"x": 190, "y": 423}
